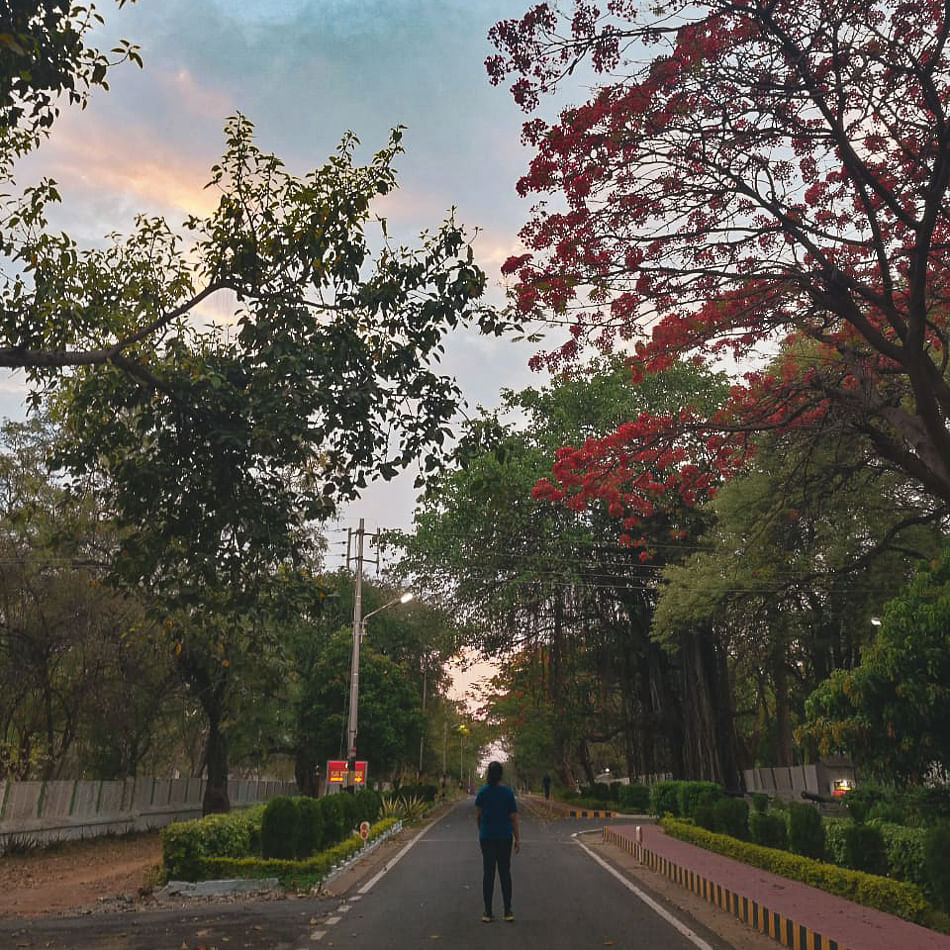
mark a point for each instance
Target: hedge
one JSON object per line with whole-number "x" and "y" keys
{"x": 892, "y": 897}
{"x": 185, "y": 844}
{"x": 291, "y": 873}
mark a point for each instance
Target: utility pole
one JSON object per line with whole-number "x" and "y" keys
{"x": 355, "y": 659}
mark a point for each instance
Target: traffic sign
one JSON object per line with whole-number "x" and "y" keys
{"x": 364, "y": 830}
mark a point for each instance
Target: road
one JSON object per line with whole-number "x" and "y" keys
{"x": 429, "y": 893}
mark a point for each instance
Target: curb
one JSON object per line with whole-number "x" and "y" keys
{"x": 787, "y": 932}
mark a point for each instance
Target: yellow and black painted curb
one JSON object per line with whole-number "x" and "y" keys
{"x": 787, "y": 932}
{"x": 588, "y": 813}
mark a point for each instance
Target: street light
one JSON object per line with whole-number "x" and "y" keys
{"x": 359, "y": 631}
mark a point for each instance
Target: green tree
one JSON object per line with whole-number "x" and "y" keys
{"x": 390, "y": 714}
{"x": 527, "y": 574}
{"x": 214, "y": 447}
{"x": 891, "y": 713}
{"x": 803, "y": 548}
{"x": 87, "y": 686}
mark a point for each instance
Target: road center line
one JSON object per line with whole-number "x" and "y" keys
{"x": 689, "y": 934}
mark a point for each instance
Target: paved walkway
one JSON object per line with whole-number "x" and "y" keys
{"x": 797, "y": 915}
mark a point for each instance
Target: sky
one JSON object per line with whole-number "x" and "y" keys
{"x": 304, "y": 72}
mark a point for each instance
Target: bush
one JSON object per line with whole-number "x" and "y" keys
{"x": 280, "y": 828}
{"x": 731, "y": 816}
{"x": 334, "y": 819}
{"x": 310, "y": 834}
{"x": 806, "y": 834}
{"x": 864, "y": 849}
{"x": 692, "y": 794}
{"x": 905, "y": 853}
{"x": 664, "y": 799}
{"x": 860, "y": 800}
{"x": 370, "y": 802}
{"x": 834, "y": 839}
{"x": 185, "y": 844}
{"x": 760, "y": 802}
{"x": 636, "y": 798}
{"x": 768, "y": 830}
{"x": 926, "y": 807}
{"x": 936, "y": 865}
{"x": 705, "y": 817}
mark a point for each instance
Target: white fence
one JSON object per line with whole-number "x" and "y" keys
{"x": 49, "y": 811}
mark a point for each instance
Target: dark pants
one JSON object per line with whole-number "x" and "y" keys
{"x": 496, "y": 852}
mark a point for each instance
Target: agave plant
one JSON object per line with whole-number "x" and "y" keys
{"x": 408, "y": 809}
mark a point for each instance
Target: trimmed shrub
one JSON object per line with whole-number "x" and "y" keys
{"x": 370, "y": 802}
{"x": 705, "y": 817}
{"x": 692, "y": 794}
{"x": 936, "y": 865}
{"x": 768, "y": 830}
{"x": 893, "y": 897}
{"x": 806, "y": 834}
{"x": 351, "y": 810}
{"x": 864, "y": 849}
{"x": 310, "y": 833}
{"x": 185, "y": 844}
{"x": 636, "y": 798}
{"x": 905, "y": 853}
{"x": 665, "y": 799}
{"x": 834, "y": 839}
{"x": 731, "y": 816}
{"x": 280, "y": 827}
{"x": 760, "y": 802}
{"x": 334, "y": 819}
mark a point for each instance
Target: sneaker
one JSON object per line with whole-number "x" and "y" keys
{"x": 488, "y": 918}
{"x": 509, "y": 916}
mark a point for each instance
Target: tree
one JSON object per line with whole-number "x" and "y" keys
{"x": 802, "y": 549}
{"x": 88, "y": 687}
{"x": 215, "y": 447}
{"x": 891, "y": 712}
{"x": 390, "y": 715}
{"x": 549, "y": 582}
{"x": 43, "y": 59}
{"x": 769, "y": 173}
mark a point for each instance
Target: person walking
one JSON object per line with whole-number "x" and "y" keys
{"x": 496, "y": 814}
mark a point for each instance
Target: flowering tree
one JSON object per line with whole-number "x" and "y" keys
{"x": 749, "y": 174}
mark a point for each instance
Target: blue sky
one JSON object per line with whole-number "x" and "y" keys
{"x": 305, "y": 71}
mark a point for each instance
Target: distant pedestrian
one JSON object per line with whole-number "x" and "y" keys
{"x": 496, "y": 814}
{"x": 546, "y": 785}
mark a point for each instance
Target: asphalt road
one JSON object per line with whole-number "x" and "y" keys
{"x": 429, "y": 894}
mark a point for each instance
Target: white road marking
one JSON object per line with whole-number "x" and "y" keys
{"x": 689, "y": 934}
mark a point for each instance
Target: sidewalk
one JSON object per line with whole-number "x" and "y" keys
{"x": 795, "y": 914}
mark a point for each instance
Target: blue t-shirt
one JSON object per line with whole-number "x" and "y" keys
{"x": 497, "y": 802}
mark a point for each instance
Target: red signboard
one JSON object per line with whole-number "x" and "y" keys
{"x": 336, "y": 773}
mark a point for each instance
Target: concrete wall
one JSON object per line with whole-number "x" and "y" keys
{"x": 51, "y": 811}
{"x": 789, "y": 782}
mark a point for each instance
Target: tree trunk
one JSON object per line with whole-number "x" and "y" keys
{"x": 216, "y": 761}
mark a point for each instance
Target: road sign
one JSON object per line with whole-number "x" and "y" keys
{"x": 336, "y": 773}
{"x": 364, "y": 830}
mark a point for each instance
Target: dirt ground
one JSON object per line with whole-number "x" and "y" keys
{"x": 79, "y": 875}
